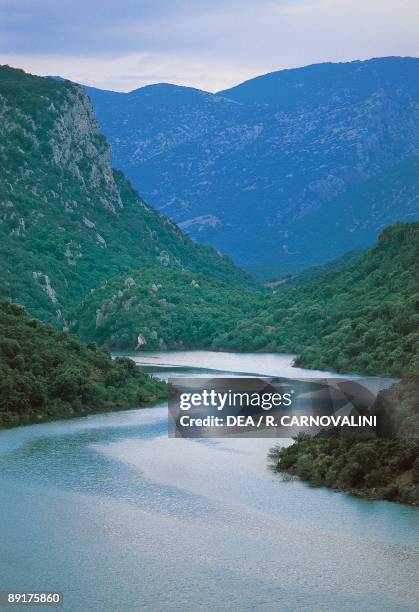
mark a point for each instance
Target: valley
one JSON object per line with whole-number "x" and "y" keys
{"x": 86, "y": 255}
{"x": 209, "y": 305}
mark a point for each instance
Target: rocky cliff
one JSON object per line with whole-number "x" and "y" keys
{"x": 67, "y": 219}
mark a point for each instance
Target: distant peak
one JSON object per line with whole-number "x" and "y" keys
{"x": 167, "y": 88}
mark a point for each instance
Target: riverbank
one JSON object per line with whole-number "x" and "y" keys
{"x": 114, "y": 512}
{"x": 48, "y": 374}
{"x": 372, "y": 469}
{"x": 25, "y": 420}
{"x": 382, "y": 467}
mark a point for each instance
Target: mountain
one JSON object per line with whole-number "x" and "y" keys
{"x": 311, "y": 274}
{"x": 362, "y": 317}
{"x": 317, "y": 84}
{"x": 158, "y": 308}
{"x": 284, "y": 171}
{"x": 47, "y": 374}
{"x": 67, "y": 219}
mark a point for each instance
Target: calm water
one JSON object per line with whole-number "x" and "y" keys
{"x": 110, "y": 511}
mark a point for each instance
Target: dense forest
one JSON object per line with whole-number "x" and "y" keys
{"x": 49, "y": 374}
{"x": 384, "y": 467}
{"x": 361, "y": 318}
{"x": 162, "y": 308}
{"x": 309, "y": 275}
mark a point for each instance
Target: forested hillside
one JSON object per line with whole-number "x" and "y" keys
{"x": 67, "y": 219}
{"x": 361, "y": 318}
{"x": 48, "y": 374}
{"x": 158, "y": 308}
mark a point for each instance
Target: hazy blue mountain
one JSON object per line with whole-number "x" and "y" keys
{"x": 319, "y": 84}
{"x": 283, "y": 171}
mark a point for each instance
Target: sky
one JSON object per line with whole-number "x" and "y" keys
{"x": 209, "y": 44}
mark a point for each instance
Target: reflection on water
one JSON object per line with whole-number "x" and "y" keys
{"x": 119, "y": 517}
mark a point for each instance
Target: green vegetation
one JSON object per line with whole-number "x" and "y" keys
{"x": 363, "y": 318}
{"x": 67, "y": 220}
{"x": 47, "y": 374}
{"x": 79, "y": 248}
{"x": 385, "y": 467}
{"x": 158, "y": 308}
{"x": 313, "y": 273}
{"x": 378, "y": 469}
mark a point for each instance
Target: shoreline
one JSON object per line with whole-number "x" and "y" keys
{"x": 40, "y": 420}
{"x": 366, "y": 494}
{"x": 383, "y": 469}
{"x": 373, "y": 493}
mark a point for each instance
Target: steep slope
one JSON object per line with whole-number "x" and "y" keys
{"x": 253, "y": 168}
{"x": 67, "y": 220}
{"x": 46, "y": 374}
{"x": 159, "y": 308}
{"x": 311, "y": 274}
{"x": 362, "y": 318}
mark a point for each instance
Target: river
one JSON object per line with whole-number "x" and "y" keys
{"x": 111, "y": 512}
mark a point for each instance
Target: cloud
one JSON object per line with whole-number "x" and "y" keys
{"x": 127, "y": 72}
{"x": 210, "y": 44}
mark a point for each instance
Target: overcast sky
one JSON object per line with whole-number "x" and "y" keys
{"x": 210, "y": 44}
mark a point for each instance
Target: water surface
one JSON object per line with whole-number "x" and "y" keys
{"x": 119, "y": 517}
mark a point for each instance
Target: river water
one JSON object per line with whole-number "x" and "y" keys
{"x": 111, "y": 512}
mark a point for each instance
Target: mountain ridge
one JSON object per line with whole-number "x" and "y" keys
{"x": 68, "y": 220}
{"x": 290, "y": 78}
{"x": 242, "y": 176}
